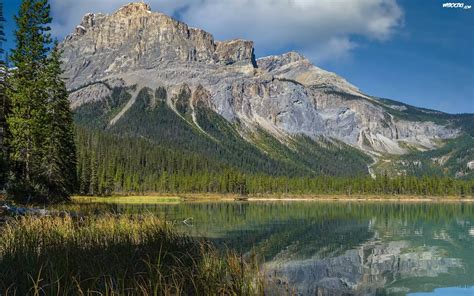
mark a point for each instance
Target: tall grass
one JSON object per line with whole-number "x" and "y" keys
{"x": 116, "y": 256}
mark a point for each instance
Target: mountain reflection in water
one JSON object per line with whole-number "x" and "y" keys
{"x": 365, "y": 270}
{"x": 339, "y": 248}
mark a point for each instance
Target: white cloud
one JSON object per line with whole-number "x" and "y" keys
{"x": 321, "y": 29}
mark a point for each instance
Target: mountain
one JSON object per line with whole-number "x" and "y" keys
{"x": 142, "y": 74}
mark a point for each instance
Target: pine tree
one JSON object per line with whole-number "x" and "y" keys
{"x": 42, "y": 148}
{"x": 3, "y": 105}
{"x": 94, "y": 178}
{"x": 59, "y": 162}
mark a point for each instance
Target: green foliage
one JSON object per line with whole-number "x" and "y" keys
{"x": 323, "y": 157}
{"x": 59, "y": 162}
{"x": 154, "y": 149}
{"x": 182, "y": 102}
{"x": 213, "y": 137}
{"x": 3, "y": 106}
{"x": 109, "y": 164}
{"x": 292, "y": 231}
{"x": 161, "y": 94}
{"x": 27, "y": 117}
{"x": 449, "y": 160}
{"x": 41, "y": 142}
{"x": 115, "y": 256}
{"x": 465, "y": 122}
{"x": 98, "y": 114}
{"x": 343, "y": 95}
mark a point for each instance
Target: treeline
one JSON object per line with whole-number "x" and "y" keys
{"x": 109, "y": 164}
{"x": 150, "y": 117}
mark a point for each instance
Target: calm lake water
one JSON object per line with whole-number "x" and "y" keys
{"x": 340, "y": 248}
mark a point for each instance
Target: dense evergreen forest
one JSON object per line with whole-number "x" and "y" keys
{"x": 216, "y": 138}
{"x": 153, "y": 149}
{"x": 110, "y": 164}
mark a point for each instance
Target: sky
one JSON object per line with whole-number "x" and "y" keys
{"x": 414, "y": 51}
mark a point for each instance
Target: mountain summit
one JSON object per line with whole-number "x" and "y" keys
{"x": 285, "y": 97}
{"x": 134, "y": 38}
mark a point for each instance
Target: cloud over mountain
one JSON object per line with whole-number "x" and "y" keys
{"x": 321, "y": 29}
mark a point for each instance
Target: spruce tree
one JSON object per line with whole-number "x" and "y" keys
{"x": 42, "y": 148}
{"x": 27, "y": 120}
{"x": 3, "y": 105}
{"x": 59, "y": 162}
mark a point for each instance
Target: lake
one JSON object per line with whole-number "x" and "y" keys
{"x": 339, "y": 248}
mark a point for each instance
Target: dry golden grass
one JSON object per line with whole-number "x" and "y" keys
{"x": 114, "y": 255}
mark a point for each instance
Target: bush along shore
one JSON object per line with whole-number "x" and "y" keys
{"x": 116, "y": 255}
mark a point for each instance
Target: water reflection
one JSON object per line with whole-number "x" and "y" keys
{"x": 468, "y": 291}
{"x": 366, "y": 270}
{"x": 315, "y": 248}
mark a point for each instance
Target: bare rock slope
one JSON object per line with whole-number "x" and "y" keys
{"x": 285, "y": 95}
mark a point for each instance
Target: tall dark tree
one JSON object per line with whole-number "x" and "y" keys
{"x": 59, "y": 162}
{"x": 41, "y": 142}
{"x": 27, "y": 117}
{"x": 3, "y": 105}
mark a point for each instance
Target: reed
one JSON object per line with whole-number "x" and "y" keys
{"x": 116, "y": 255}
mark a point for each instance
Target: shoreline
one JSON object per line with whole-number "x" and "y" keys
{"x": 365, "y": 199}
{"x": 192, "y": 197}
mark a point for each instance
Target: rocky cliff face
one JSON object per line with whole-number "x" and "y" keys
{"x": 134, "y": 38}
{"x": 285, "y": 95}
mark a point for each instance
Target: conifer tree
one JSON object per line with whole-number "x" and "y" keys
{"x": 59, "y": 162}
{"x": 42, "y": 148}
{"x": 3, "y": 105}
{"x": 27, "y": 120}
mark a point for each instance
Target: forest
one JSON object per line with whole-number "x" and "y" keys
{"x": 108, "y": 164}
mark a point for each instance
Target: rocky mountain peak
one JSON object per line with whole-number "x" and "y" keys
{"x": 134, "y": 8}
{"x": 297, "y": 67}
{"x": 135, "y": 38}
{"x": 271, "y": 63}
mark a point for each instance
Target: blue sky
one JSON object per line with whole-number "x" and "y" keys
{"x": 414, "y": 51}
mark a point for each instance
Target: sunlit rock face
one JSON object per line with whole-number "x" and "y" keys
{"x": 362, "y": 271}
{"x": 285, "y": 95}
{"x": 135, "y": 38}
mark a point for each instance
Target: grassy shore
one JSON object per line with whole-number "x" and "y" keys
{"x": 150, "y": 198}
{"x": 132, "y": 199}
{"x": 114, "y": 255}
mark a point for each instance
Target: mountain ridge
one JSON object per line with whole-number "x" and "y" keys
{"x": 285, "y": 96}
